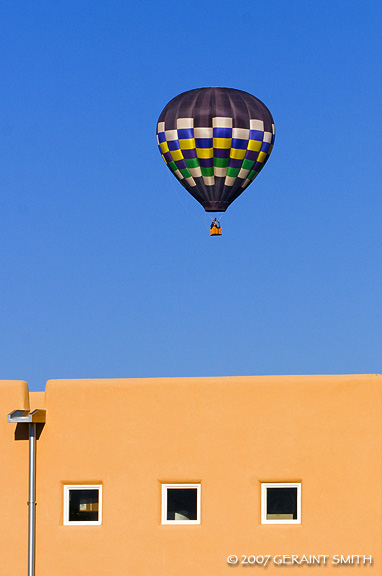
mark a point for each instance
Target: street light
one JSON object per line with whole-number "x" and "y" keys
{"x": 30, "y": 418}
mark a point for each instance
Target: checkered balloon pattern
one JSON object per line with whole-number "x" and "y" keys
{"x": 215, "y": 141}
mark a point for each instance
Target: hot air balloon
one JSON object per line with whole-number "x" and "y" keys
{"x": 215, "y": 141}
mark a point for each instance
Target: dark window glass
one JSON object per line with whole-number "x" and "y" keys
{"x": 182, "y": 503}
{"x": 281, "y": 503}
{"x": 83, "y": 505}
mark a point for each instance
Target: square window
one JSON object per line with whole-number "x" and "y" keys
{"x": 281, "y": 503}
{"x": 83, "y": 504}
{"x": 180, "y": 503}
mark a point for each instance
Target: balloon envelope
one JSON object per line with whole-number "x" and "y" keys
{"x": 215, "y": 141}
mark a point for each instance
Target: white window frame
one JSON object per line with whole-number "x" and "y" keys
{"x": 165, "y": 487}
{"x": 264, "y": 488}
{"x": 67, "y": 488}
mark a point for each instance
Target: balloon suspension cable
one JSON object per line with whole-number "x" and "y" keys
{"x": 211, "y": 216}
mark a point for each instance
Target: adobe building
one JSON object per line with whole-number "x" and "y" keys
{"x": 196, "y": 476}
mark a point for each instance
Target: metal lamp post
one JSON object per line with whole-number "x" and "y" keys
{"x": 30, "y": 418}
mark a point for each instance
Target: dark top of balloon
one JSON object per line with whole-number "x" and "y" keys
{"x": 202, "y": 104}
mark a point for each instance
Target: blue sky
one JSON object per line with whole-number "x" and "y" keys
{"x": 106, "y": 264}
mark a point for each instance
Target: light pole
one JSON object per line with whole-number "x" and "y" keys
{"x": 30, "y": 418}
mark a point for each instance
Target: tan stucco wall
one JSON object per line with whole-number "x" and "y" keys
{"x": 230, "y": 434}
{"x": 13, "y": 482}
{"x": 37, "y": 400}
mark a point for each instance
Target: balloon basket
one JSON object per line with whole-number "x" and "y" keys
{"x": 215, "y": 231}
